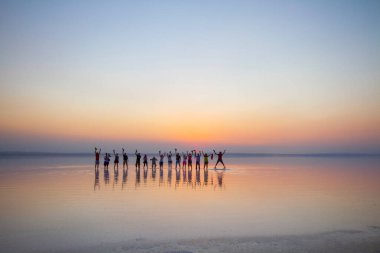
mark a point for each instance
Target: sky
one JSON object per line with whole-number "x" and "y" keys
{"x": 246, "y": 76}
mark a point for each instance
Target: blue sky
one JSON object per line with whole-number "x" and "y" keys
{"x": 281, "y": 74}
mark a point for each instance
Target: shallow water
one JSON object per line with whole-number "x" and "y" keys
{"x": 61, "y": 202}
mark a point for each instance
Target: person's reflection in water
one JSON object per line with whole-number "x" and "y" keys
{"x": 116, "y": 175}
{"x": 154, "y": 173}
{"x": 184, "y": 175}
{"x": 189, "y": 175}
{"x": 96, "y": 183}
{"x": 161, "y": 177}
{"x": 137, "y": 183}
{"x": 125, "y": 176}
{"x": 220, "y": 176}
{"x": 145, "y": 175}
{"x": 205, "y": 176}
{"x": 177, "y": 176}
{"x": 106, "y": 176}
{"x": 198, "y": 176}
{"x": 169, "y": 176}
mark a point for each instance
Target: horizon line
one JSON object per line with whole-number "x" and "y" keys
{"x": 235, "y": 154}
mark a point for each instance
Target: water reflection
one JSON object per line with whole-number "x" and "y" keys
{"x": 96, "y": 183}
{"x": 183, "y": 178}
{"x": 125, "y": 176}
{"x": 106, "y": 176}
{"x": 220, "y": 176}
{"x": 137, "y": 181}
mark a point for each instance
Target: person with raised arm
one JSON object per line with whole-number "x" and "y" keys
{"x": 125, "y": 158}
{"x": 177, "y": 159}
{"x": 97, "y": 157}
{"x": 189, "y": 160}
{"x": 138, "y": 159}
{"x": 205, "y": 160}
{"x": 145, "y": 161}
{"x": 220, "y": 158}
{"x": 197, "y": 160}
{"x": 162, "y": 156}
{"x": 116, "y": 160}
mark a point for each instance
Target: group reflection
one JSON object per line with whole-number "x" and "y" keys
{"x": 183, "y": 178}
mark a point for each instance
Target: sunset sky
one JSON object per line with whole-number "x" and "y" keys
{"x": 248, "y": 76}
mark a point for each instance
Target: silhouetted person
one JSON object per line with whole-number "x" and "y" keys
{"x": 197, "y": 160}
{"x": 154, "y": 159}
{"x": 220, "y": 158}
{"x": 97, "y": 157}
{"x": 162, "y": 156}
{"x": 138, "y": 159}
{"x": 184, "y": 158}
{"x": 205, "y": 160}
{"x": 170, "y": 162}
{"x": 107, "y": 159}
{"x": 116, "y": 160}
{"x": 125, "y": 159}
{"x": 177, "y": 159}
{"x": 145, "y": 161}
{"x": 189, "y": 160}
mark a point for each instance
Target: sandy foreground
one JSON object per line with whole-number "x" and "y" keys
{"x": 337, "y": 241}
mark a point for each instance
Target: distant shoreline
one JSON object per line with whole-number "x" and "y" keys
{"x": 233, "y": 154}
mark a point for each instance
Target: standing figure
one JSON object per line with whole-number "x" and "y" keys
{"x": 154, "y": 159}
{"x": 138, "y": 159}
{"x": 205, "y": 160}
{"x": 189, "y": 160}
{"x": 184, "y": 158}
{"x": 220, "y": 158}
{"x": 197, "y": 160}
{"x": 145, "y": 161}
{"x": 170, "y": 162}
{"x": 125, "y": 159}
{"x": 116, "y": 161}
{"x": 97, "y": 158}
{"x": 162, "y": 156}
{"x": 107, "y": 160}
{"x": 177, "y": 159}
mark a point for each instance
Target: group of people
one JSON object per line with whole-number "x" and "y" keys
{"x": 187, "y": 159}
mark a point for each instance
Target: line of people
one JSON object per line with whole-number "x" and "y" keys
{"x": 187, "y": 159}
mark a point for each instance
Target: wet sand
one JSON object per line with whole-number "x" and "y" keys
{"x": 349, "y": 241}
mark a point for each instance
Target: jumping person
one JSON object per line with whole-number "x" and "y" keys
{"x": 125, "y": 159}
{"x": 205, "y": 160}
{"x": 220, "y": 158}
{"x": 97, "y": 157}
{"x": 145, "y": 161}
{"x": 116, "y": 160}
{"x": 177, "y": 159}
{"x": 138, "y": 159}
{"x": 162, "y": 156}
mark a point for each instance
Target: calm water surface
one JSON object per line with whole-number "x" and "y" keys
{"x": 61, "y": 202}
